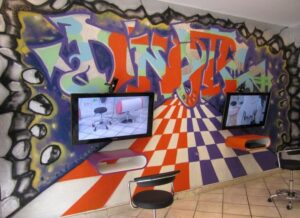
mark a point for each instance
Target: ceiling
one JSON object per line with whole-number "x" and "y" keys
{"x": 278, "y": 12}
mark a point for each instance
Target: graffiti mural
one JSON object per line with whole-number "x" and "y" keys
{"x": 52, "y": 50}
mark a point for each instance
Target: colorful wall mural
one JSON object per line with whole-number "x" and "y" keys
{"x": 50, "y": 50}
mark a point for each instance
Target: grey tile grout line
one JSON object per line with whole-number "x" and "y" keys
{"x": 222, "y": 202}
{"x": 245, "y": 187}
{"x": 264, "y": 179}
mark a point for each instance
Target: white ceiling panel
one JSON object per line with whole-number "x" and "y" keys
{"x": 278, "y": 12}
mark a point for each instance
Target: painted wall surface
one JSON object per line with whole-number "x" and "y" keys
{"x": 52, "y": 49}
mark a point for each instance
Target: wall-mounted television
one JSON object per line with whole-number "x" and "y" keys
{"x": 103, "y": 117}
{"x": 245, "y": 110}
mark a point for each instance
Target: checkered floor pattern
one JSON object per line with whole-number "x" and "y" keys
{"x": 190, "y": 140}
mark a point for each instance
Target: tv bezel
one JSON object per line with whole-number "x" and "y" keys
{"x": 226, "y": 107}
{"x": 75, "y": 117}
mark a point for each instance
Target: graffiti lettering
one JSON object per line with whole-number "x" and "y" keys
{"x": 186, "y": 61}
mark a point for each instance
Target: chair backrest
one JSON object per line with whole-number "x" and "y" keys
{"x": 289, "y": 158}
{"x": 156, "y": 179}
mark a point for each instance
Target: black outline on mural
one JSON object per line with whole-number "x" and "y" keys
{"x": 275, "y": 44}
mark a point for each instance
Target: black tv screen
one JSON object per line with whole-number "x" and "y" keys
{"x": 245, "y": 110}
{"x": 105, "y": 117}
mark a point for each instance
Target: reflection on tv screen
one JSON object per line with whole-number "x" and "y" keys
{"x": 108, "y": 117}
{"x": 246, "y": 110}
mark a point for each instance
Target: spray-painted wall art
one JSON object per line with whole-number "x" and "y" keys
{"x": 50, "y": 49}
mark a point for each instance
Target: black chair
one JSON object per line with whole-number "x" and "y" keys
{"x": 288, "y": 158}
{"x": 102, "y": 121}
{"x": 153, "y": 199}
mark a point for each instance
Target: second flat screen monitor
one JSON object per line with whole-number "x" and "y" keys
{"x": 245, "y": 110}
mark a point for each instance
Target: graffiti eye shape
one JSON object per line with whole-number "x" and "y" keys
{"x": 50, "y": 154}
{"x": 233, "y": 103}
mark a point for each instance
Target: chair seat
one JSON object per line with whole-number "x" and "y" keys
{"x": 100, "y": 110}
{"x": 153, "y": 199}
{"x": 290, "y": 164}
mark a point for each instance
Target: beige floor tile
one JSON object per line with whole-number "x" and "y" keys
{"x": 235, "y": 190}
{"x": 97, "y": 214}
{"x": 281, "y": 203}
{"x": 235, "y": 198}
{"x": 294, "y": 213}
{"x": 259, "y": 200}
{"x": 274, "y": 179}
{"x": 211, "y": 197}
{"x": 256, "y": 184}
{"x": 176, "y": 213}
{"x": 237, "y": 209}
{"x": 235, "y": 216}
{"x": 200, "y": 214}
{"x": 214, "y": 207}
{"x": 263, "y": 192}
{"x": 261, "y": 217}
{"x": 215, "y": 191}
{"x": 81, "y": 215}
{"x": 184, "y": 205}
{"x": 264, "y": 211}
{"x": 191, "y": 197}
{"x": 160, "y": 213}
{"x": 123, "y": 210}
{"x": 273, "y": 190}
{"x": 121, "y": 216}
{"x": 297, "y": 186}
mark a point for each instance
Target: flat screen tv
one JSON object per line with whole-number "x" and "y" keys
{"x": 106, "y": 117}
{"x": 245, "y": 110}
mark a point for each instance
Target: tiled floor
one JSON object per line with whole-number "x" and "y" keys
{"x": 244, "y": 200}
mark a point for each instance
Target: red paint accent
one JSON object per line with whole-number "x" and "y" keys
{"x": 119, "y": 46}
{"x": 172, "y": 79}
{"x": 177, "y": 126}
{"x": 84, "y": 170}
{"x": 162, "y": 126}
{"x": 140, "y": 40}
{"x": 163, "y": 142}
{"x": 140, "y": 144}
{"x": 184, "y": 112}
{"x": 239, "y": 142}
{"x": 119, "y": 107}
{"x": 182, "y": 180}
{"x": 182, "y": 140}
{"x": 170, "y": 158}
{"x": 175, "y": 113}
{"x": 230, "y": 86}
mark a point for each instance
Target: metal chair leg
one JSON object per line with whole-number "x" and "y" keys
{"x": 154, "y": 213}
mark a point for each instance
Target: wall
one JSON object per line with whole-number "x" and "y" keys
{"x": 50, "y": 49}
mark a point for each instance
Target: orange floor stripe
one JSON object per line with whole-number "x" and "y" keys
{"x": 170, "y": 158}
{"x": 182, "y": 181}
{"x": 83, "y": 170}
{"x": 98, "y": 195}
{"x": 182, "y": 140}
{"x": 184, "y": 112}
{"x": 161, "y": 128}
{"x": 177, "y": 126}
{"x": 175, "y": 113}
{"x": 140, "y": 144}
{"x": 163, "y": 142}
